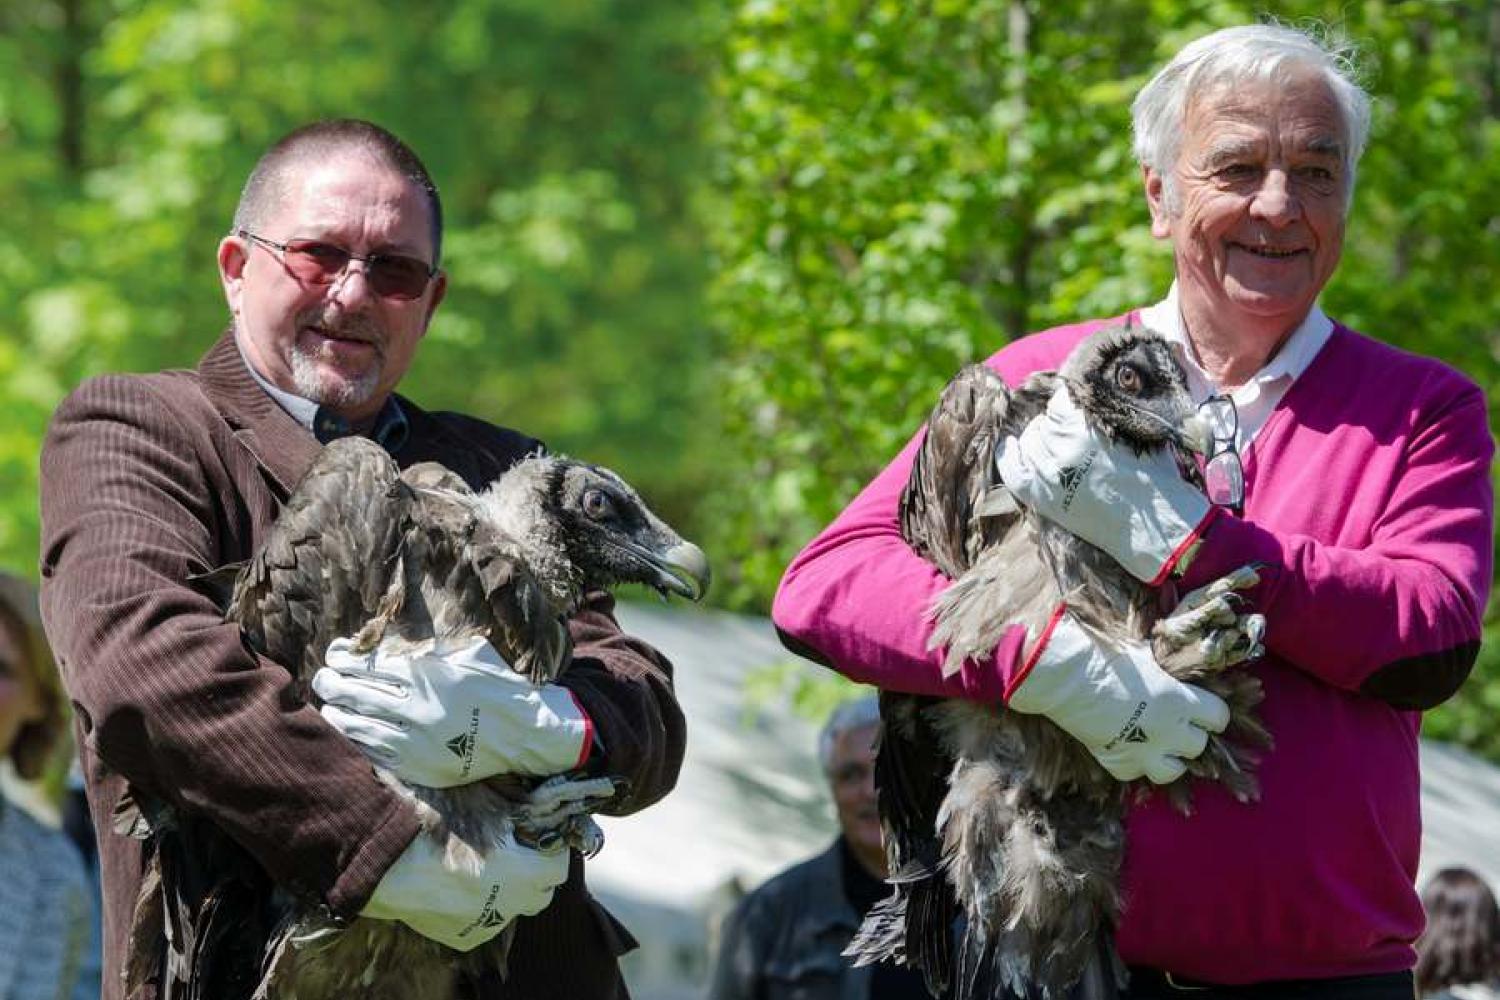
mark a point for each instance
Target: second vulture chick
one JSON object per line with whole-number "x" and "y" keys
{"x": 415, "y": 561}
{"x": 1000, "y": 820}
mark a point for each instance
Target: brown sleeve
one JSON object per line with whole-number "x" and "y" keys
{"x": 625, "y": 686}
{"x": 135, "y": 498}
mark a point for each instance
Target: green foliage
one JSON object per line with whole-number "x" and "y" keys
{"x": 900, "y": 184}
{"x": 897, "y": 187}
{"x": 565, "y": 139}
{"x": 904, "y": 186}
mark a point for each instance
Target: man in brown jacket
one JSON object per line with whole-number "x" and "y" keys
{"x": 331, "y": 278}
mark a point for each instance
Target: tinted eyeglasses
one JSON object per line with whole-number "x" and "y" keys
{"x": 314, "y": 262}
{"x": 1223, "y": 473}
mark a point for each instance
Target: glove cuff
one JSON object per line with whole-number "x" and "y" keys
{"x": 1013, "y": 691}
{"x": 588, "y": 732}
{"x": 561, "y": 736}
{"x": 1186, "y": 550}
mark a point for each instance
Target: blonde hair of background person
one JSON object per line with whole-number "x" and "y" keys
{"x": 47, "y": 945}
{"x": 1458, "y": 955}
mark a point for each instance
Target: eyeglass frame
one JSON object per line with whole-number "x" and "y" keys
{"x": 369, "y": 260}
{"x": 1229, "y": 451}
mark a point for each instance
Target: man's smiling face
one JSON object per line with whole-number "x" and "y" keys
{"x": 1256, "y": 212}
{"x": 339, "y": 344}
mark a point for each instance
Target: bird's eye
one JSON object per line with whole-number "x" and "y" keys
{"x": 597, "y": 505}
{"x": 1128, "y": 378}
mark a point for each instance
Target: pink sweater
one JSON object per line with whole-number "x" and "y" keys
{"x": 1368, "y": 497}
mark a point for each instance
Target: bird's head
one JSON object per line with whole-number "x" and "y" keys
{"x": 1131, "y": 387}
{"x": 603, "y": 527}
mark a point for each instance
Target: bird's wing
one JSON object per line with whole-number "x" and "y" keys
{"x": 954, "y": 472}
{"x": 939, "y": 515}
{"x": 328, "y": 559}
{"x": 1187, "y": 467}
{"x": 475, "y": 580}
{"x": 915, "y": 924}
{"x": 523, "y": 625}
{"x": 203, "y": 911}
{"x": 435, "y": 477}
{"x": 949, "y": 516}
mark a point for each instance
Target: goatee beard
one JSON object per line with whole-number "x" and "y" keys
{"x": 315, "y": 382}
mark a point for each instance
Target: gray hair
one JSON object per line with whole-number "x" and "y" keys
{"x": 319, "y": 141}
{"x": 856, "y": 713}
{"x": 1237, "y": 56}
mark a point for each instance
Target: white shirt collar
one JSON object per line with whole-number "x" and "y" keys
{"x": 1165, "y": 317}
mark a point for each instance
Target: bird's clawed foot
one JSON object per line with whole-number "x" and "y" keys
{"x": 556, "y": 815}
{"x": 1208, "y": 630}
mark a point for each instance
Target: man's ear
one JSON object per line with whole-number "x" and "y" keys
{"x": 439, "y": 289}
{"x": 1161, "y": 222}
{"x": 233, "y": 255}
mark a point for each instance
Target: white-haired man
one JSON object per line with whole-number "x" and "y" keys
{"x": 1356, "y": 475}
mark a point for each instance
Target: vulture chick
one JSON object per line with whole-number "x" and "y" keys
{"x": 998, "y": 817}
{"x": 418, "y": 562}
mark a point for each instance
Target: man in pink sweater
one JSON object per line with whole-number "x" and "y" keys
{"x": 1365, "y": 496}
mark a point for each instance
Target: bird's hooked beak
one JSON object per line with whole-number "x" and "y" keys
{"x": 681, "y": 569}
{"x": 1192, "y": 433}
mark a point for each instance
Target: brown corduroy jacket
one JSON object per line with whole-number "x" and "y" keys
{"x": 150, "y": 479}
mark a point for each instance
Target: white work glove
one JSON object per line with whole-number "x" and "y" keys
{"x": 1137, "y": 508}
{"x": 450, "y": 719}
{"x": 1132, "y": 716}
{"x": 461, "y": 900}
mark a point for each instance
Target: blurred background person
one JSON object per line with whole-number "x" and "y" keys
{"x": 1458, "y": 955}
{"x": 786, "y": 938}
{"x": 48, "y": 946}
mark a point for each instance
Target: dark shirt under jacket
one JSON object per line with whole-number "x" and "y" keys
{"x": 148, "y": 480}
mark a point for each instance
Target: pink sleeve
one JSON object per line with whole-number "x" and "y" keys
{"x": 1396, "y": 614}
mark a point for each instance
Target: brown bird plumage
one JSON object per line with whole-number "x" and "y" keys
{"x": 1001, "y": 818}
{"x": 414, "y": 561}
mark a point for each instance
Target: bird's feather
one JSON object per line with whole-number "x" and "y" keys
{"x": 914, "y": 926}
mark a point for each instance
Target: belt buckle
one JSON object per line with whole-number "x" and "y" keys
{"x": 1182, "y": 987}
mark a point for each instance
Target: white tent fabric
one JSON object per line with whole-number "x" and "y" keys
{"x": 1460, "y": 812}
{"x": 751, "y": 801}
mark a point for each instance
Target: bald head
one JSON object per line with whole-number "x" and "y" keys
{"x": 320, "y": 142}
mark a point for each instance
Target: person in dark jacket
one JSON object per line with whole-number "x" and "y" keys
{"x": 785, "y": 939}
{"x": 331, "y": 273}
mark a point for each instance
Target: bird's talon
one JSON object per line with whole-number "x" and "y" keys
{"x": 588, "y": 838}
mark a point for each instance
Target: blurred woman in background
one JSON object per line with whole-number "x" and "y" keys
{"x": 1458, "y": 955}
{"x": 47, "y": 946}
